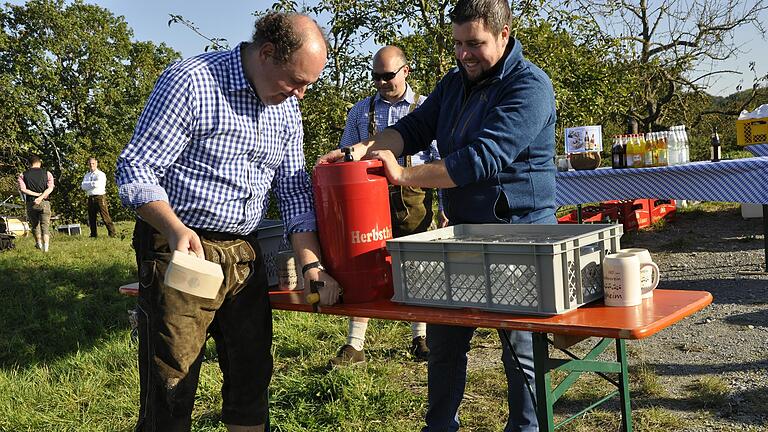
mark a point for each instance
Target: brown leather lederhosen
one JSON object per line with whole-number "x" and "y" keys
{"x": 410, "y": 207}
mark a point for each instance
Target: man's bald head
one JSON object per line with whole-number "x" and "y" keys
{"x": 389, "y": 72}
{"x": 289, "y": 32}
{"x": 387, "y": 54}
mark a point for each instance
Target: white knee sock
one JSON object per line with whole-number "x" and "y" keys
{"x": 356, "y": 334}
{"x": 45, "y": 247}
{"x": 418, "y": 329}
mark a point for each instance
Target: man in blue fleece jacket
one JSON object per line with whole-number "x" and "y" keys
{"x": 494, "y": 121}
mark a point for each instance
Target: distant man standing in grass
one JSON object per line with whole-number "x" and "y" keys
{"x": 36, "y": 184}
{"x": 218, "y": 132}
{"x": 95, "y": 186}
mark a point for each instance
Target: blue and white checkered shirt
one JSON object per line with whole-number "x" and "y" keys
{"x": 208, "y": 146}
{"x": 386, "y": 114}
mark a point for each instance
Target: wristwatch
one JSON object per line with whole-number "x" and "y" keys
{"x": 314, "y": 264}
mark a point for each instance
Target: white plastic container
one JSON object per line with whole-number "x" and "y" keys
{"x": 751, "y": 211}
{"x": 13, "y": 226}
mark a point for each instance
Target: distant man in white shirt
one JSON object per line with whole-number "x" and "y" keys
{"x": 95, "y": 185}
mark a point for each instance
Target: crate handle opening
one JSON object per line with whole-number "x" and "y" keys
{"x": 588, "y": 249}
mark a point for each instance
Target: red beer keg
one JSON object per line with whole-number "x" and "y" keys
{"x": 353, "y": 222}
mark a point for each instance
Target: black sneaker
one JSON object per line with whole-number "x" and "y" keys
{"x": 347, "y": 355}
{"x": 419, "y": 348}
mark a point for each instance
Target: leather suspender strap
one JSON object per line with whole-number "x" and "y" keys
{"x": 412, "y": 107}
{"x": 415, "y": 103}
{"x": 372, "y": 117}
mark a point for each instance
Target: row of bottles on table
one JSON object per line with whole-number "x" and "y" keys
{"x": 651, "y": 149}
{"x": 678, "y": 145}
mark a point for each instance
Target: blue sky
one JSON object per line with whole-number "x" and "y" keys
{"x": 233, "y": 20}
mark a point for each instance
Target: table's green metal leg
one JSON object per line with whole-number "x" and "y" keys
{"x": 546, "y": 396}
{"x": 544, "y": 399}
{"x": 626, "y": 407}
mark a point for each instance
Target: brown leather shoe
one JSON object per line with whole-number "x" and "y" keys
{"x": 419, "y": 348}
{"x": 347, "y": 355}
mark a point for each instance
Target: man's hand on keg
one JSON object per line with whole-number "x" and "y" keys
{"x": 393, "y": 169}
{"x": 328, "y": 293}
{"x": 357, "y": 151}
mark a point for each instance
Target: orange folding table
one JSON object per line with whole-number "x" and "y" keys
{"x": 612, "y": 324}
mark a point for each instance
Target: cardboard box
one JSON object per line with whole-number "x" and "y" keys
{"x": 752, "y": 131}
{"x": 193, "y": 275}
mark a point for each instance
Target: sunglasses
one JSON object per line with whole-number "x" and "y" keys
{"x": 385, "y": 76}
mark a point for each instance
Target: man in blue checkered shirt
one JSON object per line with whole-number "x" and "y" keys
{"x": 220, "y": 131}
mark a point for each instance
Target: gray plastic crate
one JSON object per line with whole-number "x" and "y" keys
{"x": 532, "y": 269}
{"x": 270, "y": 236}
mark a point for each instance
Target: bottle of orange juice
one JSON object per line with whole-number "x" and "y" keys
{"x": 628, "y": 149}
{"x": 637, "y": 152}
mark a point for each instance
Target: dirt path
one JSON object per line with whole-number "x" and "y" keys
{"x": 711, "y": 368}
{"x": 728, "y": 341}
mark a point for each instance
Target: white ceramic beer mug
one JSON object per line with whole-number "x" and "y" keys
{"x": 621, "y": 279}
{"x": 649, "y": 275}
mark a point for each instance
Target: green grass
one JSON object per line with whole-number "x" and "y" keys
{"x": 705, "y": 208}
{"x": 644, "y": 381}
{"x": 67, "y": 362}
{"x": 655, "y": 419}
{"x": 710, "y": 391}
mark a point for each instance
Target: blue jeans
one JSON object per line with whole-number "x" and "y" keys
{"x": 447, "y": 377}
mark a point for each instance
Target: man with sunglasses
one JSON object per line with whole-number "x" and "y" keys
{"x": 494, "y": 121}
{"x": 410, "y": 207}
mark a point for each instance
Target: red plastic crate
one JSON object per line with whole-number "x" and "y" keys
{"x": 662, "y": 209}
{"x": 640, "y": 218}
{"x": 641, "y": 213}
{"x": 632, "y": 214}
{"x": 591, "y": 214}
